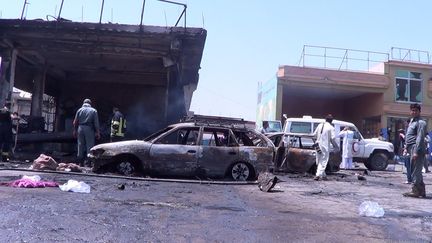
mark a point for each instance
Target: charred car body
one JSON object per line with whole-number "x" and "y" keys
{"x": 295, "y": 153}
{"x": 200, "y": 146}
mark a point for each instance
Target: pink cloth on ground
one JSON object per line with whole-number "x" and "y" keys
{"x": 27, "y": 183}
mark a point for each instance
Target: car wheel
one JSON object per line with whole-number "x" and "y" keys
{"x": 378, "y": 161}
{"x": 126, "y": 166}
{"x": 240, "y": 171}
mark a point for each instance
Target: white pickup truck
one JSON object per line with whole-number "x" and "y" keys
{"x": 374, "y": 153}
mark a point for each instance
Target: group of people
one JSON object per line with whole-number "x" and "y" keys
{"x": 414, "y": 146}
{"x": 87, "y": 129}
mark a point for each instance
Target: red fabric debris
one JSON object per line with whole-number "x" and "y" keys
{"x": 27, "y": 183}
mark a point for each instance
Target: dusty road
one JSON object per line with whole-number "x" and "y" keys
{"x": 300, "y": 210}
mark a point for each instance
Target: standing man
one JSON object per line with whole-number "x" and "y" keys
{"x": 5, "y": 133}
{"x": 325, "y": 134}
{"x": 86, "y": 127}
{"x": 415, "y": 145}
{"x": 118, "y": 126}
{"x": 265, "y": 128}
{"x": 347, "y": 157}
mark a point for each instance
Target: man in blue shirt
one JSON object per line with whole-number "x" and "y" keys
{"x": 416, "y": 147}
{"x": 86, "y": 127}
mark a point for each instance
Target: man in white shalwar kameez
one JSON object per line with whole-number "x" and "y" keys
{"x": 347, "y": 157}
{"x": 326, "y": 135}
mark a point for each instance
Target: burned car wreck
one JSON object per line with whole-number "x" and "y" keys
{"x": 203, "y": 147}
{"x": 295, "y": 153}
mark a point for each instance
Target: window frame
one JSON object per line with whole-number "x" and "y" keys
{"x": 408, "y": 91}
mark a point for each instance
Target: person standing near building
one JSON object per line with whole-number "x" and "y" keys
{"x": 265, "y": 128}
{"x": 86, "y": 128}
{"x": 347, "y": 157}
{"x": 118, "y": 126}
{"x": 415, "y": 145}
{"x": 5, "y": 133}
{"x": 405, "y": 156}
{"x": 326, "y": 135}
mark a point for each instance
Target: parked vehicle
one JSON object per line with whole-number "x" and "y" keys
{"x": 375, "y": 154}
{"x": 201, "y": 146}
{"x": 296, "y": 154}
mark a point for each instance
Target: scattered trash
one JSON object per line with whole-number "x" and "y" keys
{"x": 367, "y": 172}
{"x": 75, "y": 186}
{"x": 371, "y": 209}
{"x": 44, "y": 162}
{"x": 68, "y": 167}
{"x": 32, "y": 182}
{"x": 361, "y": 178}
{"x": 121, "y": 186}
{"x": 33, "y": 178}
{"x": 316, "y": 192}
{"x": 267, "y": 181}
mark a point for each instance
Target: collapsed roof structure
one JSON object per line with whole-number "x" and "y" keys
{"x": 149, "y": 72}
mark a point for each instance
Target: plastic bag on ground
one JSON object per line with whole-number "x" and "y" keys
{"x": 371, "y": 209}
{"x": 32, "y": 178}
{"x": 75, "y": 186}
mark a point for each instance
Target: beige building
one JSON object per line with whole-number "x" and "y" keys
{"x": 375, "y": 98}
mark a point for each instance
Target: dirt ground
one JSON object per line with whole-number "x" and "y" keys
{"x": 298, "y": 210}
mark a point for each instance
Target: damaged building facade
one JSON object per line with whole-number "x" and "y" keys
{"x": 149, "y": 72}
{"x": 373, "y": 90}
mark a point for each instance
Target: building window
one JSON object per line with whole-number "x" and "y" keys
{"x": 408, "y": 86}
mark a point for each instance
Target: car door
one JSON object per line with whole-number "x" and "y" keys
{"x": 358, "y": 145}
{"x": 175, "y": 153}
{"x": 218, "y": 151}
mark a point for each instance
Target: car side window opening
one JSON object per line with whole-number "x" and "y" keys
{"x": 300, "y": 127}
{"x": 217, "y": 138}
{"x": 182, "y": 136}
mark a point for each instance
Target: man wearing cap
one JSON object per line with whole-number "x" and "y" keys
{"x": 415, "y": 146}
{"x": 86, "y": 127}
{"x": 325, "y": 135}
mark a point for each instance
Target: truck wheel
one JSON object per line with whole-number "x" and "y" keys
{"x": 378, "y": 161}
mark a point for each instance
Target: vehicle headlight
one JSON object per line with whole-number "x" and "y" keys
{"x": 97, "y": 152}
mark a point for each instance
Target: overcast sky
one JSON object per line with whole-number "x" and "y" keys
{"x": 248, "y": 39}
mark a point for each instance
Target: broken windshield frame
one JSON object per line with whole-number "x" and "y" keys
{"x": 157, "y": 134}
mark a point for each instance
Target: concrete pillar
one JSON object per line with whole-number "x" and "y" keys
{"x": 279, "y": 102}
{"x": 7, "y": 74}
{"x": 175, "y": 102}
{"x": 37, "y": 94}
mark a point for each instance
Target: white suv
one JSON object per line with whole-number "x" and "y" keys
{"x": 375, "y": 154}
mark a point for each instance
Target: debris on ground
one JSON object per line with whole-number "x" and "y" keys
{"x": 75, "y": 186}
{"x": 371, "y": 209}
{"x": 31, "y": 182}
{"x": 266, "y": 181}
{"x": 121, "y": 186}
{"x": 361, "y": 177}
{"x": 69, "y": 167}
{"x": 367, "y": 172}
{"x": 44, "y": 162}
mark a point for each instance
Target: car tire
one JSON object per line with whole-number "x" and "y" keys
{"x": 241, "y": 171}
{"x": 378, "y": 161}
{"x": 127, "y": 166}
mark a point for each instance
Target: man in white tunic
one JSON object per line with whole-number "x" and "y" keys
{"x": 325, "y": 134}
{"x": 347, "y": 157}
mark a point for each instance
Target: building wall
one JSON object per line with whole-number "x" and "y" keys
{"x": 393, "y": 108}
{"x": 296, "y": 106}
